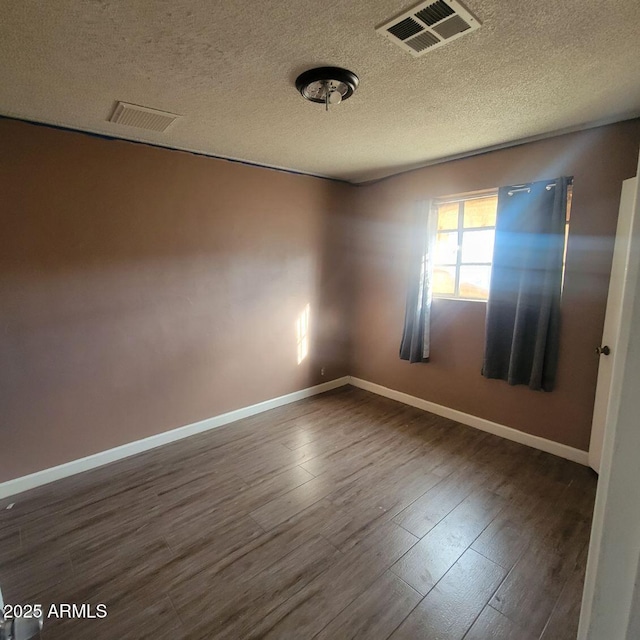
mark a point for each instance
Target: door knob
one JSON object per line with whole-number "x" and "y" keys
{"x": 603, "y": 351}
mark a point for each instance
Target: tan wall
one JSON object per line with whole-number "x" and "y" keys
{"x": 144, "y": 289}
{"x": 599, "y": 160}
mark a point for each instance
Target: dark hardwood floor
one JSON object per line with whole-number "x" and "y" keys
{"x": 341, "y": 516}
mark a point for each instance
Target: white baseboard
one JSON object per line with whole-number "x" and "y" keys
{"x": 561, "y": 450}
{"x": 18, "y": 485}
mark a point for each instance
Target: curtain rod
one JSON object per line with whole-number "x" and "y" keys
{"x": 523, "y": 187}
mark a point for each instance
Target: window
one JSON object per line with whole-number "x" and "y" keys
{"x": 464, "y": 246}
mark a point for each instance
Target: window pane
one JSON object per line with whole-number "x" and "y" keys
{"x": 477, "y": 246}
{"x": 474, "y": 281}
{"x": 480, "y": 212}
{"x": 444, "y": 280}
{"x": 446, "y": 248}
{"x": 448, "y": 216}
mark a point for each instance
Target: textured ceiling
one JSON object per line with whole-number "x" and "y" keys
{"x": 228, "y": 67}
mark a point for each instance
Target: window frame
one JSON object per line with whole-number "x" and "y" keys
{"x": 460, "y": 199}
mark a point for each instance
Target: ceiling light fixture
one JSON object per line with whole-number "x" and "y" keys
{"x": 327, "y": 85}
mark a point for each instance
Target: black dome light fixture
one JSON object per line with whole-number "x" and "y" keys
{"x": 327, "y": 85}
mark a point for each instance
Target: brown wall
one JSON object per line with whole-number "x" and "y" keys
{"x": 599, "y": 160}
{"x": 144, "y": 289}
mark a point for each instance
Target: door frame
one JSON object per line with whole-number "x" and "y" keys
{"x": 612, "y": 321}
{"x": 611, "y": 595}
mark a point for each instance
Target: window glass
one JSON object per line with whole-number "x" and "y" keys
{"x": 480, "y": 212}
{"x": 477, "y": 246}
{"x": 446, "y": 248}
{"x": 444, "y": 280}
{"x": 464, "y": 247}
{"x": 474, "y": 281}
{"x": 448, "y": 216}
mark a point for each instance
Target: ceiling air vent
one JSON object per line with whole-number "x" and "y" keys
{"x": 429, "y": 25}
{"x": 142, "y": 117}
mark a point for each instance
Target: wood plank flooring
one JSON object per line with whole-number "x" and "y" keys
{"x": 342, "y": 516}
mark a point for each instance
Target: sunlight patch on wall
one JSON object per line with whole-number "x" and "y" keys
{"x": 302, "y": 333}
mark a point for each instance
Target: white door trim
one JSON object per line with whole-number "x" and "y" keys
{"x": 611, "y": 331}
{"x": 610, "y": 592}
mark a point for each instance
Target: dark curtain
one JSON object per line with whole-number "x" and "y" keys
{"x": 523, "y": 310}
{"x": 415, "y": 337}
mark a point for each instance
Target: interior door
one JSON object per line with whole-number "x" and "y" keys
{"x": 608, "y": 347}
{"x": 612, "y": 580}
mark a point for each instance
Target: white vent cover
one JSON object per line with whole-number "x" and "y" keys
{"x": 429, "y": 25}
{"x": 142, "y": 117}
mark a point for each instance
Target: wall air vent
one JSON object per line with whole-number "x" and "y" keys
{"x": 429, "y": 25}
{"x": 133, "y": 115}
